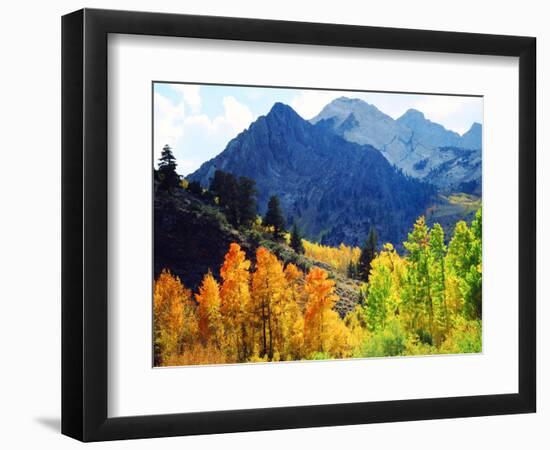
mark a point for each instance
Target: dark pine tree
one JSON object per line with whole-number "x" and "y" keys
{"x": 231, "y": 199}
{"x": 274, "y": 217}
{"x": 225, "y": 187}
{"x": 296, "y": 240}
{"x": 167, "y": 174}
{"x": 217, "y": 184}
{"x": 236, "y": 197}
{"x": 195, "y": 188}
{"x": 368, "y": 253}
{"x": 246, "y": 201}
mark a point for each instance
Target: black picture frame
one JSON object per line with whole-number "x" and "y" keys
{"x": 84, "y": 224}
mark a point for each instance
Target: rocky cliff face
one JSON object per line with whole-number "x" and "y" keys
{"x": 432, "y": 134}
{"x": 419, "y": 147}
{"x": 473, "y": 137}
{"x": 334, "y": 189}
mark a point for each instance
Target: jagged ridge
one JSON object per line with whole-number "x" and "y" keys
{"x": 332, "y": 188}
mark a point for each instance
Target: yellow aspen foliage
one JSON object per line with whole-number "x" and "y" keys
{"x": 293, "y": 273}
{"x": 290, "y": 324}
{"x": 427, "y": 301}
{"x": 175, "y": 321}
{"x": 295, "y": 285}
{"x": 338, "y": 257}
{"x": 324, "y": 331}
{"x": 358, "y": 333}
{"x": 235, "y": 298}
{"x": 294, "y": 310}
{"x": 335, "y": 336}
{"x": 384, "y": 288}
{"x": 197, "y": 355}
{"x": 397, "y": 266}
{"x": 268, "y": 295}
{"x": 453, "y": 294}
{"x": 319, "y": 290}
{"x": 295, "y": 343}
{"x": 209, "y": 314}
{"x": 464, "y": 338}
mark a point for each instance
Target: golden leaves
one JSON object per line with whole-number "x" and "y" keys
{"x": 262, "y": 315}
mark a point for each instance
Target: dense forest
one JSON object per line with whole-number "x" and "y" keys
{"x": 274, "y": 295}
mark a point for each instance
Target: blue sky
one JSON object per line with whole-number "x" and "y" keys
{"x": 198, "y": 121}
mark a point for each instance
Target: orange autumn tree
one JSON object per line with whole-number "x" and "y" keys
{"x": 209, "y": 314}
{"x": 235, "y": 299}
{"x": 293, "y": 323}
{"x": 175, "y": 321}
{"x": 295, "y": 281}
{"x": 268, "y": 297}
{"x": 325, "y": 334}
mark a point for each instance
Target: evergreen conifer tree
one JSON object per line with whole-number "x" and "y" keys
{"x": 168, "y": 176}
{"x": 246, "y": 201}
{"x": 274, "y": 217}
{"x": 368, "y": 253}
{"x": 296, "y": 240}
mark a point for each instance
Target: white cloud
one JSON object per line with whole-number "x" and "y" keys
{"x": 195, "y": 138}
{"x": 310, "y": 103}
{"x": 191, "y": 95}
{"x": 454, "y": 113}
{"x": 169, "y": 123}
{"x": 235, "y": 119}
{"x": 237, "y": 116}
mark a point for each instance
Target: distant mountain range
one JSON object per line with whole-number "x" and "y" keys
{"x": 334, "y": 189}
{"x": 419, "y": 147}
{"x": 351, "y": 167}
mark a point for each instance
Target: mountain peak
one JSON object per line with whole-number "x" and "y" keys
{"x": 412, "y": 113}
{"x": 472, "y": 138}
{"x": 348, "y": 100}
{"x": 476, "y": 126}
{"x": 282, "y": 110}
{"x": 286, "y": 155}
{"x": 410, "y": 142}
{"x": 340, "y": 109}
{"x": 353, "y": 104}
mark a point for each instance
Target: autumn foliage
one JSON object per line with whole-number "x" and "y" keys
{"x": 427, "y": 301}
{"x": 175, "y": 320}
{"x": 338, "y": 257}
{"x": 273, "y": 313}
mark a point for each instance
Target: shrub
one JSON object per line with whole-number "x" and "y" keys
{"x": 466, "y": 338}
{"x": 391, "y": 341}
{"x": 198, "y": 355}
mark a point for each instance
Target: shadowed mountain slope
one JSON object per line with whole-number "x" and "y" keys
{"x": 334, "y": 189}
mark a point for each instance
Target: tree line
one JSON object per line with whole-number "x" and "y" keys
{"x": 236, "y": 198}
{"x": 427, "y": 301}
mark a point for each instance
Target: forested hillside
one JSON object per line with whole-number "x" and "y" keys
{"x": 232, "y": 286}
{"x": 192, "y": 234}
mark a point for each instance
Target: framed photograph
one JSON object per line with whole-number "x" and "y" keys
{"x": 273, "y": 224}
